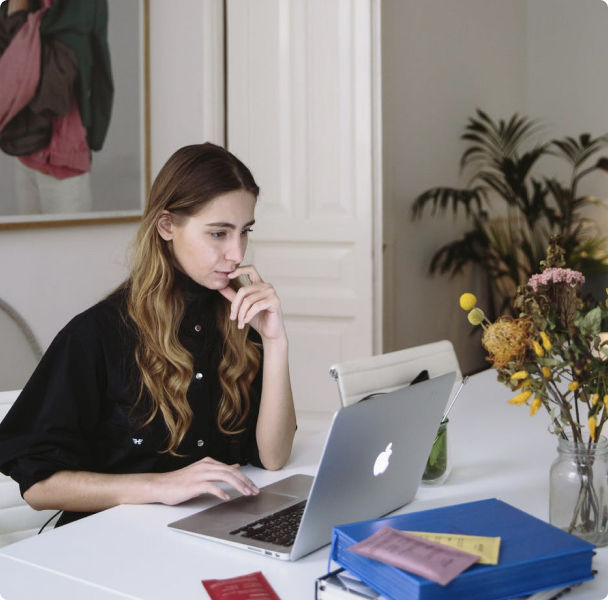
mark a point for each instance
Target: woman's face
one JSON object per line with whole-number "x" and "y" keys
{"x": 211, "y": 243}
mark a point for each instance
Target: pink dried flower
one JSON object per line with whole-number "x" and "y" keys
{"x": 555, "y": 275}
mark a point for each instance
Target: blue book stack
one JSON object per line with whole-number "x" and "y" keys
{"x": 534, "y": 555}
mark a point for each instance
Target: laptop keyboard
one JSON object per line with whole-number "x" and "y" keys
{"x": 279, "y": 528}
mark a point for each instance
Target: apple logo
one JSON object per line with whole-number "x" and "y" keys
{"x": 381, "y": 463}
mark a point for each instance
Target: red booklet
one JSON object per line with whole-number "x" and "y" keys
{"x": 246, "y": 587}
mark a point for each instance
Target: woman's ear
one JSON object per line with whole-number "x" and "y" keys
{"x": 164, "y": 226}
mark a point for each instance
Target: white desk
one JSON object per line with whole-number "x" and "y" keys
{"x": 498, "y": 450}
{"x": 24, "y": 581}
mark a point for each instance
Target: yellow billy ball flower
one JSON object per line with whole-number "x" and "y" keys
{"x": 546, "y": 340}
{"x": 476, "y": 316}
{"x": 521, "y": 398}
{"x": 538, "y": 348}
{"x": 592, "y": 426}
{"x": 573, "y": 386}
{"x": 606, "y": 401}
{"x": 520, "y": 375}
{"x": 546, "y": 371}
{"x": 468, "y": 301}
{"x": 536, "y": 404}
{"x": 596, "y": 399}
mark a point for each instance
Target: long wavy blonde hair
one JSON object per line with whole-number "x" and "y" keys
{"x": 193, "y": 176}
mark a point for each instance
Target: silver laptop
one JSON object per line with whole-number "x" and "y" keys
{"x": 372, "y": 464}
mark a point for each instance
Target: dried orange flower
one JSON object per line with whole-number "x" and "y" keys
{"x": 505, "y": 339}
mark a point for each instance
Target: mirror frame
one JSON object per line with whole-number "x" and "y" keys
{"x": 26, "y": 222}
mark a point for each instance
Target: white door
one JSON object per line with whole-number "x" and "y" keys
{"x": 300, "y": 114}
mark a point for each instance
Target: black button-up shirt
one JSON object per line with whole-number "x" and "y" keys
{"x": 77, "y": 410}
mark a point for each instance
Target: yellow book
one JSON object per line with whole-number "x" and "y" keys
{"x": 487, "y": 548}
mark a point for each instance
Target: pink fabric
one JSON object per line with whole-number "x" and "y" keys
{"x": 67, "y": 154}
{"x": 20, "y": 67}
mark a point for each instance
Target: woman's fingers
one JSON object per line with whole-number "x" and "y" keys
{"x": 252, "y": 300}
{"x": 213, "y": 470}
{"x": 248, "y": 270}
{"x": 256, "y": 304}
{"x": 202, "y": 477}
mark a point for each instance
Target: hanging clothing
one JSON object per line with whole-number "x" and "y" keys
{"x": 19, "y": 60}
{"x": 83, "y": 27}
{"x": 55, "y": 110}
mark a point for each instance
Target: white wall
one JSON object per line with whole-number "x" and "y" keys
{"x": 568, "y": 76}
{"x": 50, "y": 275}
{"x": 441, "y": 60}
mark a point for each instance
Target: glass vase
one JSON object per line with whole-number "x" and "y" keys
{"x": 439, "y": 463}
{"x": 578, "y": 496}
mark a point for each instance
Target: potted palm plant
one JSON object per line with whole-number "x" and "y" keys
{"x": 533, "y": 207}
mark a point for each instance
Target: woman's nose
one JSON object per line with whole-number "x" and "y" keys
{"x": 236, "y": 251}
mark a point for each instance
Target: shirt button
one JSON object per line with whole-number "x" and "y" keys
{"x": 200, "y": 443}
{"x": 197, "y": 328}
{"x": 199, "y": 375}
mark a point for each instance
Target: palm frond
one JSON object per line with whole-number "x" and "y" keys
{"x": 576, "y": 152}
{"x": 502, "y": 162}
{"x": 454, "y": 257}
{"x": 491, "y": 142}
{"x": 495, "y": 181}
{"x": 443, "y": 198}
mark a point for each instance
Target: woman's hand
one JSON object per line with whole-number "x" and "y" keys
{"x": 256, "y": 304}
{"x": 85, "y": 491}
{"x": 198, "y": 478}
{"x": 259, "y": 305}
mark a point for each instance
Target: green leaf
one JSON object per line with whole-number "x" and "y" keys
{"x": 592, "y": 321}
{"x": 550, "y": 362}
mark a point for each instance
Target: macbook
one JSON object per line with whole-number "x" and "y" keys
{"x": 372, "y": 464}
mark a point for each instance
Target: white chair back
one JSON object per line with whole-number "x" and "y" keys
{"x": 385, "y": 372}
{"x": 17, "y": 519}
{"x": 20, "y": 351}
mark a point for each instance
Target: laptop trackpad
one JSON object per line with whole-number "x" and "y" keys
{"x": 264, "y": 502}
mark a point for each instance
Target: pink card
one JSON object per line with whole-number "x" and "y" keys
{"x": 246, "y": 587}
{"x": 434, "y": 561}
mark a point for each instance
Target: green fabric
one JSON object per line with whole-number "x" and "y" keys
{"x": 83, "y": 27}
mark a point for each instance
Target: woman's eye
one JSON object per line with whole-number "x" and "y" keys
{"x": 218, "y": 234}
{"x": 246, "y": 231}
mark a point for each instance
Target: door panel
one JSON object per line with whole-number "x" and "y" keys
{"x": 300, "y": 116}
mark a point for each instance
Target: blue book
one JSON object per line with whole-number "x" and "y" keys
{"x": 534, "y": 555}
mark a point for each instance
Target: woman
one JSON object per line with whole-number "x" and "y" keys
{"x": 165, "y": 387}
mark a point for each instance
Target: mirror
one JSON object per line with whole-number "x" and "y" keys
{"x": 120, "y": 170}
